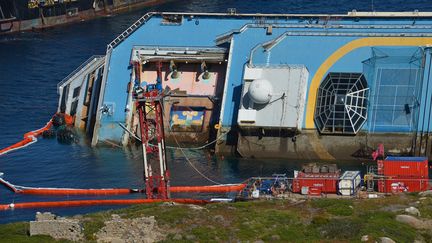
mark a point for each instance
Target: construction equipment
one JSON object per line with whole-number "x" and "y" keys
{"x": 149, "y": 104}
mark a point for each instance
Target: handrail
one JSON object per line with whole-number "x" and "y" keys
{"x": 77, "y": 70}
{"x": 5, "y": 20}
{"x": 129, "y": 31}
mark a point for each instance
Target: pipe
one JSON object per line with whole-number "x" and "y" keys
{"x": 81, "y": 203}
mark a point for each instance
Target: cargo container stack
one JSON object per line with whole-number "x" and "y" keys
{"x": 403, "y": 174}
{"x": 315, "y": 179}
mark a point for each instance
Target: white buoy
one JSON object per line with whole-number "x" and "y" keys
{"x": 260, "y": 91}
{"x": 12, "y": 205}
{"x": 1, "y": 174}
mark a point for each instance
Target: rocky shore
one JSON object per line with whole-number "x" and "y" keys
{"x": 397, "y": 218}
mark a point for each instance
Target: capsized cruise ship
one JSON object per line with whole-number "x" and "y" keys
{"x": 304, "y": 86}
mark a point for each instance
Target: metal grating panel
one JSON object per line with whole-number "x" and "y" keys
{"x": 342, "y": 103}
{"x": 397, "y": 78}
{"x": 395, "y": 89}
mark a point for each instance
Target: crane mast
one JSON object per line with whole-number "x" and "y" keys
{"x": 149, "y": 104}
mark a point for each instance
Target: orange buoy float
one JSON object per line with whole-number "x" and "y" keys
{"x": 69, "y": 120}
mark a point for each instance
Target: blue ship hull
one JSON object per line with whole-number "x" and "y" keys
{"x": 337, "y": 85}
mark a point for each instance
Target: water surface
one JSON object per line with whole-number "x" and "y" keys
{"x": 31, "y": 65}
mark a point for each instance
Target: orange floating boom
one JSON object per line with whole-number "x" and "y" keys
{"x": 21, "y": 144}
{"x": 65, "y": 191}
{"x": 119, "y": 191}
{"x": 9, "y": 185}
{"x": 217, "y": 188}
{"x": 70, "y": 192}
{"x": 28, "y": 139}
{"x": 122, "y": 191}
{"x": 113, "y": 191}
{"x": 81, "y": 203}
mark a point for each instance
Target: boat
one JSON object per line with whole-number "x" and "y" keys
{"x": 303, "y": 86}
{"x": 25, "y": 15}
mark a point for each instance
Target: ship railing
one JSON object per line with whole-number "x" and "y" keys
{"x": 5, "y": 20}
{"x": 84, "y": 65}
{"x": 129, "y": 31}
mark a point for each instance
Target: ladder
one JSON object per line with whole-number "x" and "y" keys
{"x": 128, "y": 31}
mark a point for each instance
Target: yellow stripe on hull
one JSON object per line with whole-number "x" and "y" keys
{"x": 347, "y": 48}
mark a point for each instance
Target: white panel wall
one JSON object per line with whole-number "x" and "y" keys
{"x": 286, "y": 107}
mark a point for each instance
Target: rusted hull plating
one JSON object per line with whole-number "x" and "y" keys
{"x": 14, "y": 25}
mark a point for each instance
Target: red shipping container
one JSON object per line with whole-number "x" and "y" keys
{"x": 404, "y": 166}
{"x": 403, "y": 184}
{"x": 326, "y": 182}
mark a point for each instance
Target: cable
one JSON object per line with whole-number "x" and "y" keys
{"x": 184, "y": 154}
{"x": 127, "y": 130}
{"x": 171, "y": 147}
{"x": 112, "y": 144}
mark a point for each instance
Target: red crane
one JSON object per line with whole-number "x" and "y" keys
{"x": 149, "y": 104}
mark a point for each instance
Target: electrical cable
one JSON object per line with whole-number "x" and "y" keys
{"x": 171, "y": 147}
{"x": 186, "y": 157}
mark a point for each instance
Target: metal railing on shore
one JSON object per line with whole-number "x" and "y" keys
{"x": 77, "y": 70}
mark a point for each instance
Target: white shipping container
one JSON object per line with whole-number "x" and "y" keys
{"x": 349, "y": 182}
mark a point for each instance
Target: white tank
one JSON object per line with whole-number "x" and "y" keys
{"x": 349, "y": 183}
{"x": 260, "y": 91}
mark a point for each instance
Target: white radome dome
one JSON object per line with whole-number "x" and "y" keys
{"x": 260, "y": 91}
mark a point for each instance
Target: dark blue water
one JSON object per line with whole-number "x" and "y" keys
{"x": 31, "y": 65}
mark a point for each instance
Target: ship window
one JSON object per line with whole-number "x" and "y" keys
{"x": 74, "y": 107}
{"x": 76, "y": 92}
{"x": 341, "y": 103}
{"x": 65, "y": 93}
